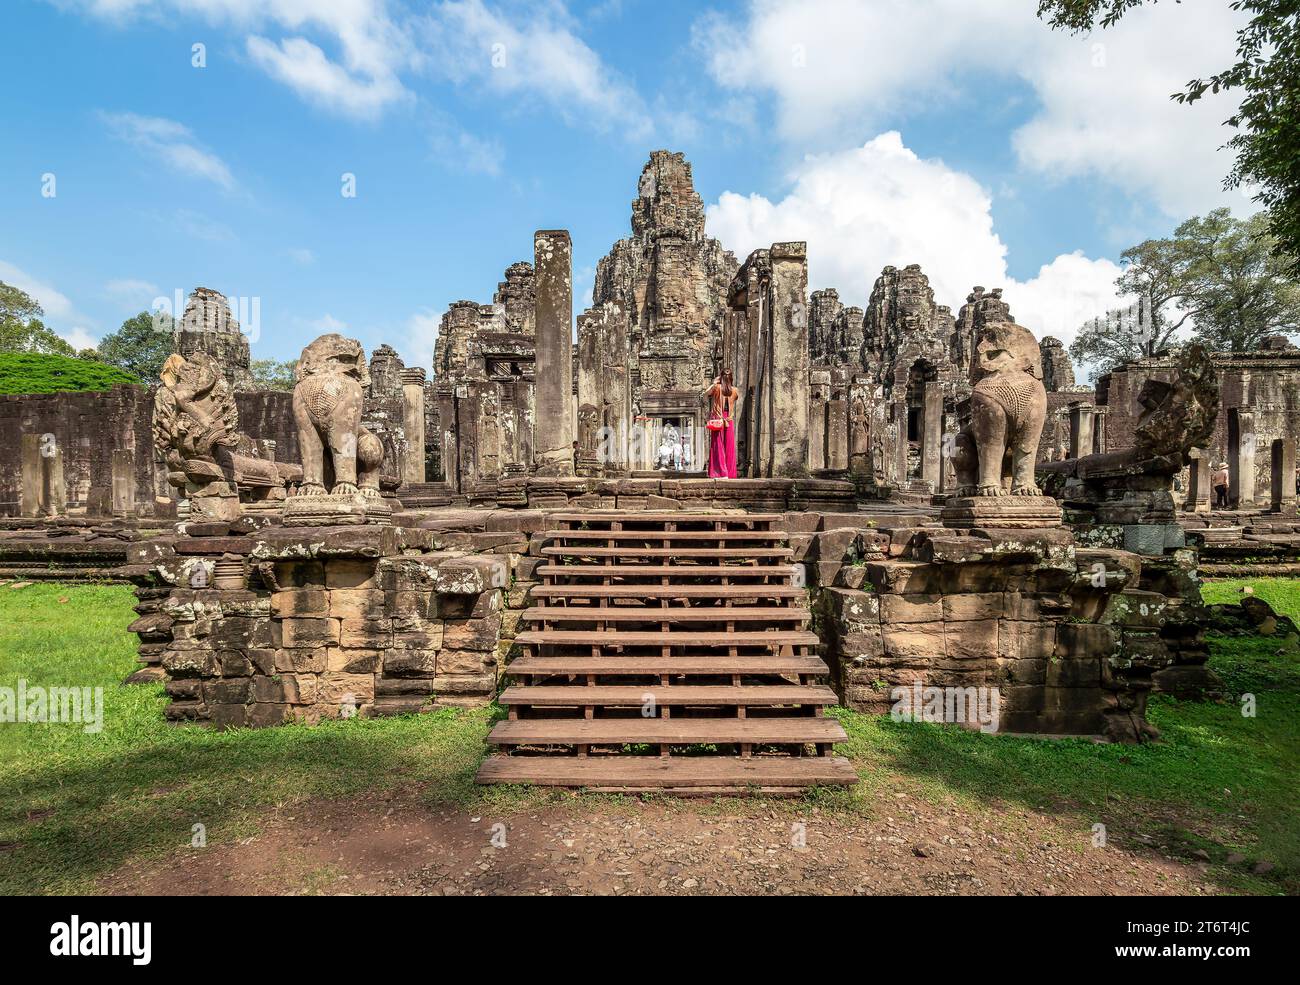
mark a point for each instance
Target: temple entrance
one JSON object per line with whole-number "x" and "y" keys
{"x": 923, "y": 427}
{"x": 669, "y": 436}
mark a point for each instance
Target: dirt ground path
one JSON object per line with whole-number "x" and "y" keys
{"x": 905, "y": 845}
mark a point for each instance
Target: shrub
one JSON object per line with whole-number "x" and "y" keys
{"x": 34, "y": 372}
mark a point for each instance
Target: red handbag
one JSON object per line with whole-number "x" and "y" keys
{"x": 715, "y": 424}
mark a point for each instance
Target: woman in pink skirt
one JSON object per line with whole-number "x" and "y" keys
{"x": 722, "y": 396}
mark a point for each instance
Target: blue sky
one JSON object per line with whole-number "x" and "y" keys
{"x": 966, "y": 137}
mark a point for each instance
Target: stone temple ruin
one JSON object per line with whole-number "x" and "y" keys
{"x": 931, "y": 518}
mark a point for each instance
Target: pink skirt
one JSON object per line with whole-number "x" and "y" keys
{"x": 722, "y": 452}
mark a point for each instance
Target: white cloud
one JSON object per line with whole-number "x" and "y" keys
{"x": 879, "y": 204}
{"x": 1106, "y": 107}
{"x": 837, "y": 66}
{"x": 513, "y": 50}
{"x": 371, "y": 48}
{"x": 308, "y": 71}
{"x": 538, "y": 56}
{"x": 60, "y": 313}
{"x": 57, "y": 306}
{"x": 79, "y": 338}
{"x": 458, "y": 150}
{"x": 328, "y": 323}
{"x": 171, "y": 143}
{"x": 131, "y": 291}
{"x": 421, "y": 336}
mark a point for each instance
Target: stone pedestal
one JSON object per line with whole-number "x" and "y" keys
{"x": 311, "y": 511}
{"x": 1001, "y": 512}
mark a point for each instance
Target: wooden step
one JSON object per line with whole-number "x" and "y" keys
{"x": 666, "y": 534}
{"x": 705, "y": 592}
{"x": 666, "y": 731}
{"x": 609, "y": 637}
{"x": 658, "y": 613}
{"x": 664, "y": 570}
{"x": 673, "y": 666}
{"x": 699, "y": 775}
{"x": 664, "y": 516}
{"x": 742, "y": 555}
{"x": 617, "y": 696}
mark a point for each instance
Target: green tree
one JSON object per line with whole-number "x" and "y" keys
{"x": 21, "y": 328}
{"x": 1223, "y": 275}
{"x": 1116, "y": 337}
{"x": 1236, "y": 282}
{"x": 140, "y": 346}
{"x": 272, "y": 374}
{"x": 1267, "y": 124}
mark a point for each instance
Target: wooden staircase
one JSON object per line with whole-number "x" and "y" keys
{"x": 669, "y": 652}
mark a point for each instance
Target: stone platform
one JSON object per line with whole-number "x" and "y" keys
{"x": 634, "y": 493}
{"x": 1001, "y": 512}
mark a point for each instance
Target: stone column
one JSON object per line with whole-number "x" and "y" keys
{"x": 43, "y": 492}
{"x": 837, "y": 434}
{"x": 122, "y": 464}
{"x": 932, "y": 435}
{"x": 1081, "y": 431}
{"x": 448, "y": 439}
{"x": 1241, "y": 458}
{"x": 1283, "y": 474}
{"x": 900, "y": 447}
{"x": 1198, "y": 481}
{"x": 819, "y": 392}
{"x": 33, "y": 477}
{"x": 554, "y": 426}
{"x": 413, "y": 423}
{"x": 789, "y": 320}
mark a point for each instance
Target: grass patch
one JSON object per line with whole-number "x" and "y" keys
{"x": 75, "y": 806}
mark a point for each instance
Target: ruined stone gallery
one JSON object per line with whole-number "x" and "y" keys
{"x": 929, "y": 515}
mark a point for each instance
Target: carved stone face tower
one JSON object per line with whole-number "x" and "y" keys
{"x": 668, "y": 282}
{"x": 208, "y": 327}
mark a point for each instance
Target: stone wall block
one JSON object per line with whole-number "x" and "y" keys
{"x": 472, "y": 634}
{"x": 299, "y": 661}
{"x": 300, "y": 602}
{"x": 410, "y": 663}
{"x": 367, "y": 634}
{"x": 306, "y": 632}
{"x": 351, "y": 573}
{"x": 353, "y": 661}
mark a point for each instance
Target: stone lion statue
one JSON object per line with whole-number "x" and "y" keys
{"x": 995, "y": 450}
{"x": 331, "y": 378}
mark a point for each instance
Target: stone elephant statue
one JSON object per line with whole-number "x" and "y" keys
{"x": 327, "y": 403}
{"x": 995, "y": 450}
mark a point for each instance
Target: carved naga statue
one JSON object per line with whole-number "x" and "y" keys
{"x": 196, "y": 430}
{"x": 995, "y": 450}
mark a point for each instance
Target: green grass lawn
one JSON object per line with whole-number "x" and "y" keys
{"x": 74, "y": 806}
